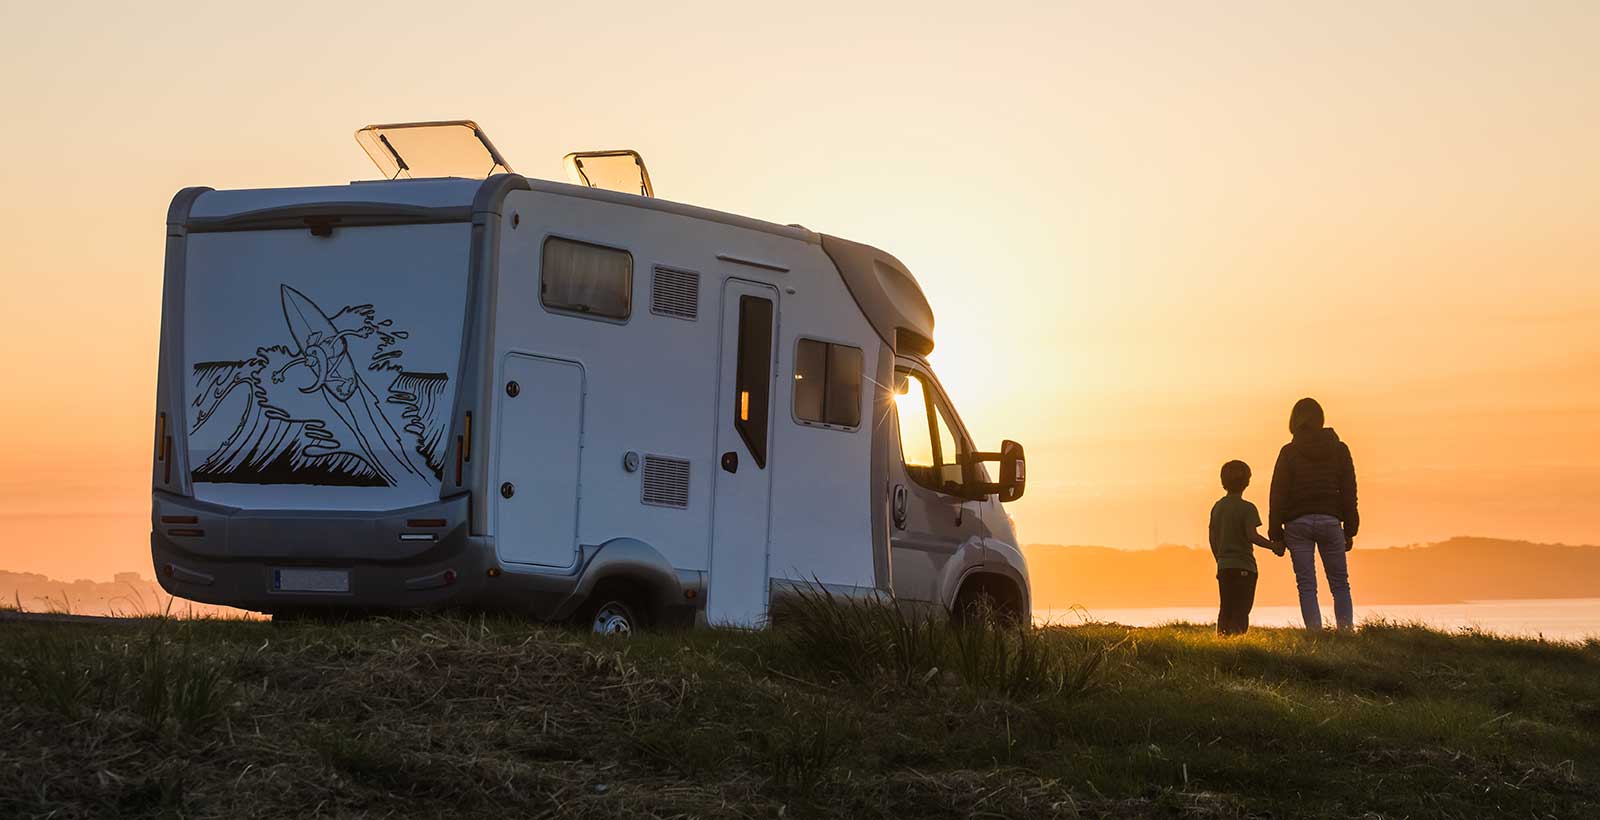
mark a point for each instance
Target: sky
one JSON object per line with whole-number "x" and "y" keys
{"x": 1145, "y": 229}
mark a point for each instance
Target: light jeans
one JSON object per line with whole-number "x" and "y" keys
{"x": 1306, "y": 536}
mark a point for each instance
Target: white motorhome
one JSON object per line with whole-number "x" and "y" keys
{"x": 476, "y": 389}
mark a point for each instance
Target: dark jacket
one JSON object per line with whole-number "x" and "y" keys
{"x": 1314, "y": 475}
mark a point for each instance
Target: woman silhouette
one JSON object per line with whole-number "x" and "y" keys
{"x": 1313, "y": 509}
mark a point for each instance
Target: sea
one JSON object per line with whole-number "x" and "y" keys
{"x": 1561, "y": 619}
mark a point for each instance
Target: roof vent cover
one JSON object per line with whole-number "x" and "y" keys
{"x": 675, "y": 293}
{"x": 665, "y": 482}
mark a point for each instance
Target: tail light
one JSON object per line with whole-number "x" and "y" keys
{"x": 460, "y": 446}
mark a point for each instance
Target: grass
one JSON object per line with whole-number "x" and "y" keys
{"x": 840, "y": 710}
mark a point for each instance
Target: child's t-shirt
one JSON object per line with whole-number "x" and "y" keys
{"x": 1231, "y": 519}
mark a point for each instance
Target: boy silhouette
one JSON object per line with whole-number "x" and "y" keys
{"x": 1234, "y": 522}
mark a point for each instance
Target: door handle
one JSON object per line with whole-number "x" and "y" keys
{"x": 899, "y": 506}
{"x": 730, "y": 461}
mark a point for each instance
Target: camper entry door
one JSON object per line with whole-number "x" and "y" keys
{"x": 742, "y": 498}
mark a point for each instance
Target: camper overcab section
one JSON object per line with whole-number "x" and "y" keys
{"x": 462, "y": 387}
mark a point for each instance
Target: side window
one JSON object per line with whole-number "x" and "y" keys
{"x": 928, "y": 444}
{"x": 753, "y": 375}
{"x": 949, "y": 468}
{"x": 592, "y": 280}
{"x": 827, "y": 383}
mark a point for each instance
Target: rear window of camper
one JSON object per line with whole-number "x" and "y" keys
{"x": 827, "y": 383}
{"x": 592, "y": 280}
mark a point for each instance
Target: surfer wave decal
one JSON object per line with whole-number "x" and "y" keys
{"x": 306, "y": 412}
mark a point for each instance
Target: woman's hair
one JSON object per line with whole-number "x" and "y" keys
{"x": 1306, "y": 416}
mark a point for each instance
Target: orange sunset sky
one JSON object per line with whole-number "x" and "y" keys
{"x": 1145, "y": 229}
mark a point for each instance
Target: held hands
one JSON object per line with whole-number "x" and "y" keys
{"x": 1277, "y": 548}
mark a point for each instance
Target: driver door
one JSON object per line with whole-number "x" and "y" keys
{"x": 929, "y": 519}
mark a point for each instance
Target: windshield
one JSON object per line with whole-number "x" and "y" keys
{"x": 419, "y": 150}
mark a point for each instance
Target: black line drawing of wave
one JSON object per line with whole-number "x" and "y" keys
{"x": 306, "y": 415}
{"x": 418, "y": 395}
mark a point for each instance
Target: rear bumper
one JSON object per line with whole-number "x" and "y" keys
{"x": 228, "y": 556}
{"x": 416, "y": 558}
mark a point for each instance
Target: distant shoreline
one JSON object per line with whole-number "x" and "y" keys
{"x": 1456, "y": 571}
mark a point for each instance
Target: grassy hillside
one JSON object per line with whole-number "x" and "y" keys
{"x": 850, "y": 715}
{"x": 1461, "y": 569}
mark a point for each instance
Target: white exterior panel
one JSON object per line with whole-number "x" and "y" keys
{"x": 652, "y": 378}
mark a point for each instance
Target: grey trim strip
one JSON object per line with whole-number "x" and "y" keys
{"x": 475, "y": 388}
{"x": 883, "y": 444}
{"x": 752, "y": 263}
{"x": 170, "y": 398}
{"x": 336, "y": 214}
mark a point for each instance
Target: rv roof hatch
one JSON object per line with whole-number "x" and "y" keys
{"x": 622, "y": 171}
{"x": 419, "y": 150}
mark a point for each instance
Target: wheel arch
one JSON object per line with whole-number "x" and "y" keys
{"x": 1000, "y": 581}
{"x": 642, "y": 570}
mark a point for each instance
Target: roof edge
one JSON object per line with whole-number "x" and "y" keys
{"x": 668, "y": 206}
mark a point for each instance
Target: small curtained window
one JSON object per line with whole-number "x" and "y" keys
{"x": 592, "y": 280}
{"x": 827, "y": 383}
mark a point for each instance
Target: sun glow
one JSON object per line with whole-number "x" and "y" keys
{"x": 1233, "y": 212}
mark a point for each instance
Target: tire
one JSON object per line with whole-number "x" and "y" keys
{"x": 610, "y": 613}
{"x": 985, "y": 601}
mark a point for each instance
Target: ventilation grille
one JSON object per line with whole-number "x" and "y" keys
{"x": 666, "y": 482}
{"x": 675, "y": 293}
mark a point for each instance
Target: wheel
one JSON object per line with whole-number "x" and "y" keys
{"x": 984, "y": 601}
{"x": 614, "y": 618}
{"x": 610, "y": 615}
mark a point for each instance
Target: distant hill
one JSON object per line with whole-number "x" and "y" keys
{"x": 126, "y": 594}
{"x": 1461, "y": 569}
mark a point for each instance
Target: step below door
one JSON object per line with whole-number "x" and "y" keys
{"x": 541, "y": 437}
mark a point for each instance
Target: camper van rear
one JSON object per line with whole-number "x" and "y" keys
{"x": 311, "y": 346}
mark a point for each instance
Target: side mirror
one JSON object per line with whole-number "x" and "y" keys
{"x": 1013, "y": 473}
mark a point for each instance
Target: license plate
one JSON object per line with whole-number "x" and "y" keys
{"x": 310, "y": 580}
